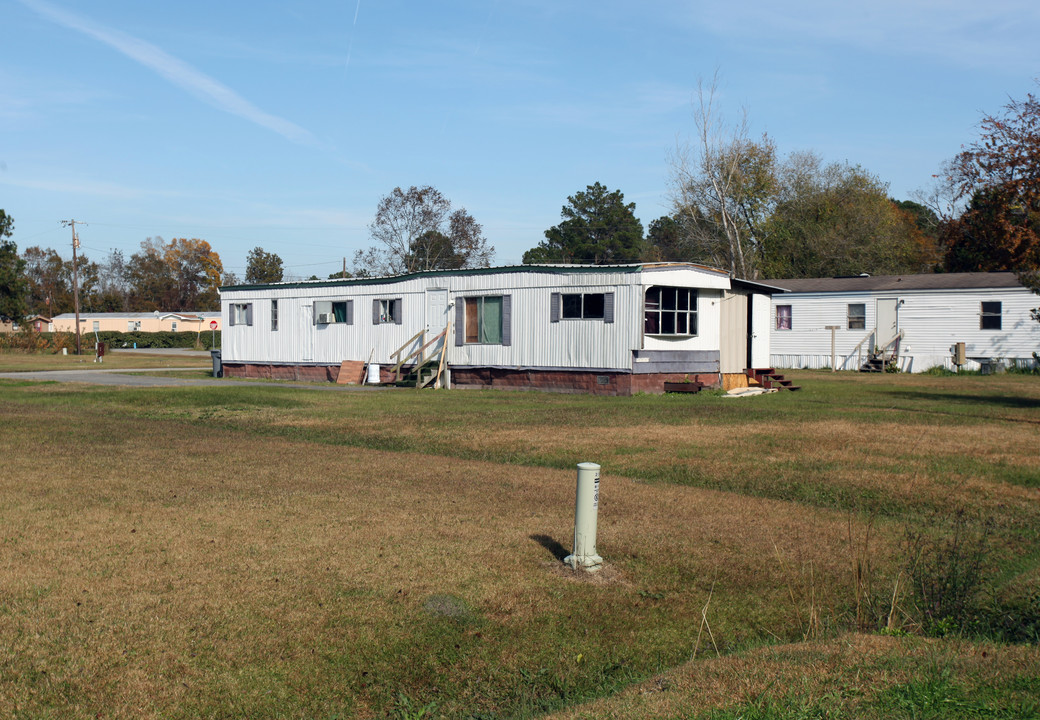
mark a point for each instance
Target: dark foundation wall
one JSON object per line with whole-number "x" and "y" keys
{"x": 573, "y": 381}
{"x": 566, "y": 381}
{"x": 312, "y": 373}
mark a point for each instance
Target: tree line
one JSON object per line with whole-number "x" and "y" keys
{"x": 735, "y": 204}
{"x": 178, "y": 275}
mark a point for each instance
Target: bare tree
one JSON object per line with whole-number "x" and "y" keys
{"x": 722, "y": 188}
{"x": 417, "y": 230}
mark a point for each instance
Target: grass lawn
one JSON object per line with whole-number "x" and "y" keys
{"x": 114, "y": 360}
{"x": 248, "y": 551}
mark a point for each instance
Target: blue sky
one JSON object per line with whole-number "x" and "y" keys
{"x": 282, "y": 124}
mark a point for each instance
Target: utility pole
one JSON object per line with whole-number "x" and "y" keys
{"x": 75, "y": 279}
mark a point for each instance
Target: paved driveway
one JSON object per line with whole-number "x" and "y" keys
{"x": 143, "y": 378}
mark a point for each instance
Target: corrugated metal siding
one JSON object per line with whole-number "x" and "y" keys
{"x": 932, "y": 321}
{"x": 536, "y": 341}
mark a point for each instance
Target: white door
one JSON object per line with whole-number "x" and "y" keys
{"x": 307, "y": 333}
{"x": 887, "y": 320}
{"x": 436, "y": 311}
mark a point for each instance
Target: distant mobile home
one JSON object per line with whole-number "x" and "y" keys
{"x": 930, "y": 314}
{"x": 614, "y": 330}
{"x": 135, "y": 322}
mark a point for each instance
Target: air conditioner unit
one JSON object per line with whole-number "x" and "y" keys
{"x": 326, "y": 318}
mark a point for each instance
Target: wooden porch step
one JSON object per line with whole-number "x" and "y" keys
{"x": 769, "y": 378}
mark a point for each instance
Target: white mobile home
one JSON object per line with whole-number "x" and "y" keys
{"x": 915, "y": 321}
{"x": 604, "y": 329}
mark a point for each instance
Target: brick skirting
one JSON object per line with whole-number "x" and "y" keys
{"x": 566, "y": 381}
{"x": 572, "y": 381}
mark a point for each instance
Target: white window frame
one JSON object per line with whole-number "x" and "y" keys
{"x": 676, "y": 316}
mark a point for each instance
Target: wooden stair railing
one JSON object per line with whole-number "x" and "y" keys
{"x": 421, "y": 362}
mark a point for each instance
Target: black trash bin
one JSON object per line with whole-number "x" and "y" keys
{"x": 218, "y": 369}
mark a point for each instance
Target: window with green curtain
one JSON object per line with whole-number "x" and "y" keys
{"x": 491, "y": 320}
{"x": 484, "y": 320}
{"x": 339, "y": 310}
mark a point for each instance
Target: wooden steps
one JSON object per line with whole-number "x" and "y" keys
{"x": 769, "y": 378}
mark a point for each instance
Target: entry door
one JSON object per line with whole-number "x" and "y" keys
{"x": 307, "y": 333}
{"x": 733, "y": 345}
{"x": 436, "y": 313}
{"x": 887, "y": 320}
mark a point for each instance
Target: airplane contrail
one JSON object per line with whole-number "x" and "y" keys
{"x": 350, "y": 44}
{"x": 174, "y": 70}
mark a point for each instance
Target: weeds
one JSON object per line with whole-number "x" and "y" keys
{"x": 948, "y": 567}
{"x": 407, "y": 710}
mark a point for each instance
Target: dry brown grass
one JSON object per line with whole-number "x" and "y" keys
{"x": 145, "y": 567}
{"x": 851, "y": 670}
{"x": 179, "y": 554}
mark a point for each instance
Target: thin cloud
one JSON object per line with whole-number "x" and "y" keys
{"x": 85, "y": 187}
{"x": 174, "y": 70}
{"x": 963, "y": 32}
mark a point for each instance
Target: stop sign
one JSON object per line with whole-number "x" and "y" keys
{"x": 212, "y": 324}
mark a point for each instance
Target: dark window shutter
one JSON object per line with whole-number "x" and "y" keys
{"x": 398, "y": 311}
{"x": 554, "y": 307}
{"x": 350, "y": 312}
{"x": 314, "y": 314}
{"x": 249, "y": 314}
{"x": 460, "y": 322}
{"x": 231, "y": 315}
{"x": 608, "y": 307}
{"x": 375, "y": 312}
{"x": 507, "y": 319}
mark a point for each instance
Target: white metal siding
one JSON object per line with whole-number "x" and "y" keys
{"x": 536, "y": 341}
{"x": 931, "y": 321}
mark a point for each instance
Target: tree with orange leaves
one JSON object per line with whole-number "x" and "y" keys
{"x": 999, "y": 177}
{"x": 171, "y": 276}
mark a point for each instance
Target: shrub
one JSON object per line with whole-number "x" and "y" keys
{"x": 165, "y": 339}
{"x": 29, "y": 341}
{"x": 947, "y": 570}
